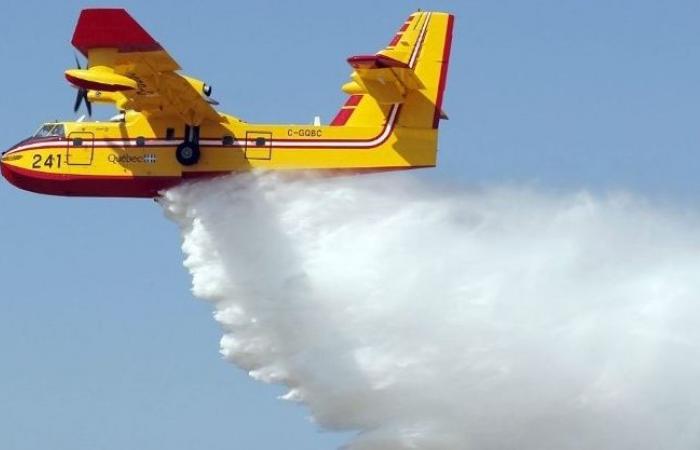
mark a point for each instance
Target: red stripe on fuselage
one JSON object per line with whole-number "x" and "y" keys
{"x": 154, "y": 143}
{"x": 87, "y": 185}
{"x": 353, "y": 100}
{"x": 139, "y": 187}
{"x": 342, "y": 117}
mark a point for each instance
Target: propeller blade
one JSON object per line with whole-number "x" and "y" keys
{"x": 82, "y": 94}
{"x": 87, "y": 103}
{"x": 78, "y": 100}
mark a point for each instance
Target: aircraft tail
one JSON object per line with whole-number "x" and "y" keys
{"x": 406, "y": 80}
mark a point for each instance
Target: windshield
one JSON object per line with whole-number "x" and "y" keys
{"x": 50, "y": 130}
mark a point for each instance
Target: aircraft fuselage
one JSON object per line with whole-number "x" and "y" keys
{"x": 137, "y": 157}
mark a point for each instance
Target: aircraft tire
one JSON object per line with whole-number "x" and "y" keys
{"x": 187, "y": 153}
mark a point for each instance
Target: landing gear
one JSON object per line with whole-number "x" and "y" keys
{"x": 188, "y": 153}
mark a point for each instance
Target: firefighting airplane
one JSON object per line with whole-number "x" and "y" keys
{"x": 167, "y": 129}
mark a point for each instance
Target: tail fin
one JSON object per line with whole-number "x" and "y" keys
{"x": 411, "y": 71}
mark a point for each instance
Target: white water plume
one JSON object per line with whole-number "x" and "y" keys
{"x": 443, "y": 318}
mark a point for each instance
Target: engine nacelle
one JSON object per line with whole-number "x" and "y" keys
{"x": 99, "y": 80}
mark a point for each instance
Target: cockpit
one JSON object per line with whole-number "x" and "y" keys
{"x": 47, "y": 132}
{"x": 51, "y": 130}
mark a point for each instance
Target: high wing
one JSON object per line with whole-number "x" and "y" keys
{"x": 389, "y": 74}
{"x": 129, "y": 68}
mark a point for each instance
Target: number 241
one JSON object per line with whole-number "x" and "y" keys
{"x": 50, "y": 160}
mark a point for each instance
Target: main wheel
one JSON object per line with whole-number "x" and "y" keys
{"x": 187, "y": 153}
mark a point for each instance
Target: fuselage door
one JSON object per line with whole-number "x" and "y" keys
{"x": 258, "y": 145}
{"x": 81, "y": 145}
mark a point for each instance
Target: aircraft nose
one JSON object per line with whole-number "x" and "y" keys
{"x": 4, "y": 169}
{"x": 8, "y": 161}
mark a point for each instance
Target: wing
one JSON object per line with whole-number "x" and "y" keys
{"x": 133, "y": 70}
{"x": 389, "y": 74}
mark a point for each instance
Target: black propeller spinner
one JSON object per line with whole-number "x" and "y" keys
{"x": 82, "y": 95}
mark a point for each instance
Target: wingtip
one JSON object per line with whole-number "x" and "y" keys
{"x": 111, "y": 28}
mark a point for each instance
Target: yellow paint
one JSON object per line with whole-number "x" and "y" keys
{"x": 99, "y": 75}
{"x": 163, "y": 99}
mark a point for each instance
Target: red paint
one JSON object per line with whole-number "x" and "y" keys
{"x": 404, "y": 27}
{"x": 395, "y": 41}
{"x": 87, "y": 185}
{"x": 139, "y": 187}
{"x": 33, "y": 140}
{"x": 111, "y": 28}
{"x": 110, "y": 143}
{"x": 344, "y": 114}
{"x": 374, "y": 62}
{"x": 95, "y": 86}
{"x": 342, "y": 117}
{"x": 443, "y": 74}
{"x": 353, "y": 100}
{"x": 107, "y": 143}
{"x": 388, "y": 124}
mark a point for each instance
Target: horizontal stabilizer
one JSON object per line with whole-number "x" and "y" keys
{"x": 411, "y": 71}
{"x": 384, "y": 78}
{"x": 375, "y": 62}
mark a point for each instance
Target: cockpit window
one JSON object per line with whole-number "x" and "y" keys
{"x": 51, "y": 130}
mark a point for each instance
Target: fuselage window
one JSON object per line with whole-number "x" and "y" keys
{"x": 260, "y": 142}
{"x": 170, "y": 134}
{"x": 140, "y": 141}
{"x": 77, "y": 142}
{"x": 227, "y": 141}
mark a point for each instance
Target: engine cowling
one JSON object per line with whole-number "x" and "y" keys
{"x": 99, "y": 80}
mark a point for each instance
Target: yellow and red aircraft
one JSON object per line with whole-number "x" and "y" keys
{"x": 167, "y": 129}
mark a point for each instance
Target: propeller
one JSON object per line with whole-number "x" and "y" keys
{"x": 82, "y": 95}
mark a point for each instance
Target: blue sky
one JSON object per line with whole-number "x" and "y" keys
{"x": 103, "y": 346}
